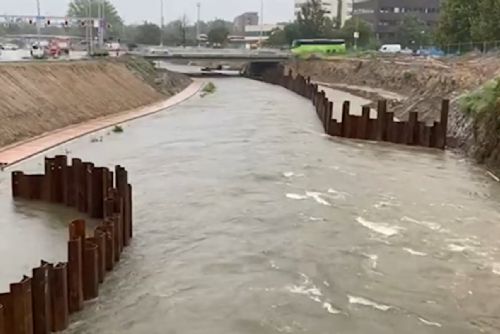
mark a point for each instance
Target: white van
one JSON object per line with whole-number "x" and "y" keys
{"x": 390, "y": 48}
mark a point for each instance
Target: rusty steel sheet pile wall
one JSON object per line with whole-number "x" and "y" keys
{"x": 384, "y": 128}
{"x": 42, "y": 303}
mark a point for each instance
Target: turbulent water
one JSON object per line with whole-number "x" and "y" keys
{"x": 249, "y": 220}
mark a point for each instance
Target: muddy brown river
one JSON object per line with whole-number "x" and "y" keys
{"x": 249, "y": 220}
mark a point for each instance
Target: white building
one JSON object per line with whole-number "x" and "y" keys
{"x": 332, "y": 7}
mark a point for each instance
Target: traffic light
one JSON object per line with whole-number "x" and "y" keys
{"x": 66, "y": 23}
{"x": 48, "y": 22}
{"x": 109, "y": 25}
{"x": 82, "y": 23}
{"x": 30, "y": 21}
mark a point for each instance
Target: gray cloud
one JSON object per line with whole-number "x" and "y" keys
{"x": 136, "y": 11}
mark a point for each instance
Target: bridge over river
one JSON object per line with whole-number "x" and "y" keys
{"x": 249, "y": 220}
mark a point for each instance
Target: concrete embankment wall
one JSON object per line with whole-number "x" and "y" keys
{"x": 39, "y": 97}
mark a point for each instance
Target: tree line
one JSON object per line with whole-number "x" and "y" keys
{"x": 461, "y": 21}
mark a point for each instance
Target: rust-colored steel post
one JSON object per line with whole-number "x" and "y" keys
{"x": 7, "y": 322}
{"x": 77, "y": 230}
{"x": 49, "y": 184}
{"x": 60, "y": 178}
{"x": 109, "y": 205}
{"x": 18, "y": 185}
{"x": 435, "y": 135}
{"x": 58, "y": 276}
{"x": 445, "y": 108}
{"x": 328, "y": 117}
{"x": 389, "y": 127}
{"x": 362, "y": 132}
{"x": 40, "y": 292}
{"x": 2, "y": 320}
{"x": 412, "y": 129}
{"x": 425, "y": 135}
{"x": 400, "y": 132}
{"x": 130, "y": 212}
{"x": 79, "y": 185}
{"x": 335, "y": 128}
{"x": 75, "y": 274}
{"x": 100, "y": 240}
{"x": 353, "y": 126}
{"x": 108, "y": 228}
{"x": 381, "y": 117}
{"x": 22, "y": 309}
{"x": 69, "y": 195}
{"x": 345, "y": 123}
{"x": 123, "y": 197}
{"x": 90, "y": 271}
{"x": 96, "y": 192}
{"x": 372, "y": 129}
{"x": 88, "y": 168}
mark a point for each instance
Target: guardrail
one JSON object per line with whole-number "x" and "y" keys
{"x": 383, "y": 128}
{"x": 42, "y": 303}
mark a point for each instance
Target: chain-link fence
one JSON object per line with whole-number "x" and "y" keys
{"x": 465, "y": 47}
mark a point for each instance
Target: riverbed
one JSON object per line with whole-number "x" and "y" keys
{"x": 248, "y": 219}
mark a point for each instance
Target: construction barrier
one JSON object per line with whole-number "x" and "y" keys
{"x": 42, "y": 304}
{"x": 383, "y": 128}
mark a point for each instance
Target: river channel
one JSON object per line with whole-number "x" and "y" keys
{"x": 249, "y": 220}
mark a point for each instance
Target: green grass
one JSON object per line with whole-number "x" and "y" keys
{"x": 117, "y": 129}
{"x": 209, "y": 88}
{"x": 483, "y": 101}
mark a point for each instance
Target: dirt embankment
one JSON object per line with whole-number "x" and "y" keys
{"x": 39, "y": 97}
{"x": 424, "y": 82}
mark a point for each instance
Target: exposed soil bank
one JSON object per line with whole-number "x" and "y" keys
{"x": 42, "y": 97}
{"x": 425, "y": 82}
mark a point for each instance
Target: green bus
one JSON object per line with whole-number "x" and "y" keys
{"x": 306, "y": 47}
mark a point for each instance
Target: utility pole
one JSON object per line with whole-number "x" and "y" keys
{"x": 162, "y": 22}
{"x": 100, "y": 25}
{"x": 261, "y": 22}
{"x": 38, "y": 18}
{"x": 356, "y": 31}
{"x": 198, "y": 8}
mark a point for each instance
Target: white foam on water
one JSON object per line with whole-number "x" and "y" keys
{"x": 330, "y": 309}
{"x": 273, "y": 265}
{"x": 315, "y": 219}
{"x": 414, "y": 252}
{"x": 496, "y": 268}
{"x": 325, "y": 283}
{"x": 296, "y": 196}
{"x": 382, "y": 228}
{"x": 366, "y": 302}
{"x": 317, "y": 197}
{"x": 457, "y": 248}
{"x": 430, "y": 323}
{"x": 337, "y": 194}
{"x": 373, "y": 260}
{"x": 288, "y": 174}
{"x": 429, "y": 225}
{"x": 307, "y": 288}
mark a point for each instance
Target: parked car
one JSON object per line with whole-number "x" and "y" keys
{"x": 8, "y": 46}
{"x": 37, "y": 51}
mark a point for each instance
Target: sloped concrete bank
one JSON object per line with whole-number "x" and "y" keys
{"x": 36, "y": 98}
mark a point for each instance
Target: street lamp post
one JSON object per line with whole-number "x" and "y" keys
{"x": 356, "y": 29}
{"x": 38, "y": 17}
{"x": 198, "y": 13}
{"x": 162, "y": 23}
{"x": 261, "y": 22}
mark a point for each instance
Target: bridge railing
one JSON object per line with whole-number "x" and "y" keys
{"x": 383, "y": 128}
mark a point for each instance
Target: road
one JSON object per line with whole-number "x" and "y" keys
{"x": 249, "y": 220}
{"x": 24, "y": 55}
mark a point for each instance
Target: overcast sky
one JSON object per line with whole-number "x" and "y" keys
{"x": 136, "y": 11}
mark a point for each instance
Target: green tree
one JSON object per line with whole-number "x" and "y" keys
{"x": 218, "y": 33}
{"x": 148, "y": 33}
{"x": 312, "y": 20}
{"x": 80, "y": 8}
{"x": 364, "y": 29}
{"x": 456, "y": 21}
{"x": 413, "y": 32}
{"x": 277, "y": 37}
{"x": 485, "y": 25}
